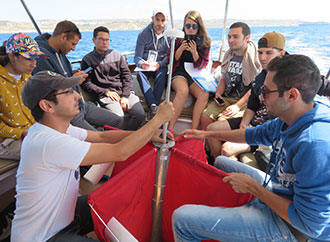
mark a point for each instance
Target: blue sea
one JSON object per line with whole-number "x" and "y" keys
{"x": 311, "y": 40}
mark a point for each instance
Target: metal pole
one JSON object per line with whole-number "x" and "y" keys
{"x": 171, "y": 15}
{"x": 169, "y": 78}
{"x": 164, "y": 153}
{"x": 223, "y": 31}
{"x": 163, "y": 158}
{"x": 169, "y": 81}
{"x": 31, "y": 17}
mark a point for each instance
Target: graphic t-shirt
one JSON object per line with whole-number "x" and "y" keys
{"x": 234, "y": 83}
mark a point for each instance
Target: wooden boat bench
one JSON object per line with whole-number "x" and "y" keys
{"x": 8, "y": 170}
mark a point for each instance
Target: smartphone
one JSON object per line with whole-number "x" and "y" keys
{"x": 219, "y": 101}
{"x": 197, "y": 38}
{"x": 88, "y": 70}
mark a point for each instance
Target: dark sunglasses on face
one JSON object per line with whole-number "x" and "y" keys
{"x": 194, "y": 26}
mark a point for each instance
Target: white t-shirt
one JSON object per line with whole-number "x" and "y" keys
{"x": 47, "y": 182}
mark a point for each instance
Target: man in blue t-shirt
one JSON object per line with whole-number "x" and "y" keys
{"x": 291, "y": 202}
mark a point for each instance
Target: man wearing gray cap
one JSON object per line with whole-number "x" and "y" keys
{"x": 47, "y": 204}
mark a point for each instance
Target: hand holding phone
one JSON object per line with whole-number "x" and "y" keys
{"x": 88, "y": 69}
{"x": 219, "y": 101}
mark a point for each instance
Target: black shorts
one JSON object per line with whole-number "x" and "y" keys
{"x": 234, "y": 123}
{"x": 182, "y": 73}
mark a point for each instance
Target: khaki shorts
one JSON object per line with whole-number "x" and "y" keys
{"x": 214, "y": 111}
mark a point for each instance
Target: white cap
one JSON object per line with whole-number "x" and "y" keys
{"x": 160, "y": 10}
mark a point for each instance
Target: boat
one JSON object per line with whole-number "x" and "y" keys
{"x": 8, "y": 169}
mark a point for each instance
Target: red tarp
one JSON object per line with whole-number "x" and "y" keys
{"x": 127, "y": 196}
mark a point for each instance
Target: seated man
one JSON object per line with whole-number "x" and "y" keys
{"x": 17, "y": 60}
{"x": 292, "y": 201}
{"x": 151, "y": 42}
{"x": 270, "y": 46}
{"x": 239, "y": 67}
{"x": 47, "y": 204}
{"x": 111, "y": 81}
{"x": 65, "y": 38}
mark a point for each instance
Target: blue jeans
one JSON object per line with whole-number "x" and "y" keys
{"x": 152, "y": 96}
{"x": 254, "y": 221}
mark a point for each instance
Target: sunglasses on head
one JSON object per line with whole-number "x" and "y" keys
{"x": 194, "y": 26}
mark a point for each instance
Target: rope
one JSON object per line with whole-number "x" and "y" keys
{"x": 105, "y": 225}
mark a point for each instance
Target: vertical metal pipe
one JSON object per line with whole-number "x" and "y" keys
{"x": 171, "y": 15}
{"x": 223, "y": 31}
{"x": 169, "y": 81}
{"x": 31, "y": 17}
{"x": 169, "y": 78}
{"x": 163, "y": 158}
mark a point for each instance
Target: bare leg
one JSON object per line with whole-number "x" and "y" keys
{"x": 215, "y": 144}
{"x": 180, "y": 86}
{"x": 201, "y": 102}
{"x": 205, "y": 121}
{"x": 233, "y": 149}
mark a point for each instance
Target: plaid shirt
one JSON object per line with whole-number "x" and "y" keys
{"x": 202, "y": 61}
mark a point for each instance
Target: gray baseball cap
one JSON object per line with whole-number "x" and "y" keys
{"x": 43, "y": 83}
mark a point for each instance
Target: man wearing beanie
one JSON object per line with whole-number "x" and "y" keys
{"x": 270, "y": 46}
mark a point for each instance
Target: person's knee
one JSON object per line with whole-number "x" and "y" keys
{"x": 182, "y": 93}
{"x": 212, "y": 127}
{"x": 139, "y": 115}
{"x": 220, "y": 161}
{"x": 142, "y": 78}
{"x": 180, "y": 215}
{"x": 219, "y": 125}
{"x": 226, "y": 149}
{"x": 203, "y": 97}
{"x": 118, "y": 122}
{"x": 205, "y": 121}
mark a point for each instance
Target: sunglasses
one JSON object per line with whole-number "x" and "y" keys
{"x": 194, "y": 26}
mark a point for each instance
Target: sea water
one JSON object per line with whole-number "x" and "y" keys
{"x": 311, "y": 40}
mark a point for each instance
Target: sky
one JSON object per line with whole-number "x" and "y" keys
{"x": 306, "y": 10}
